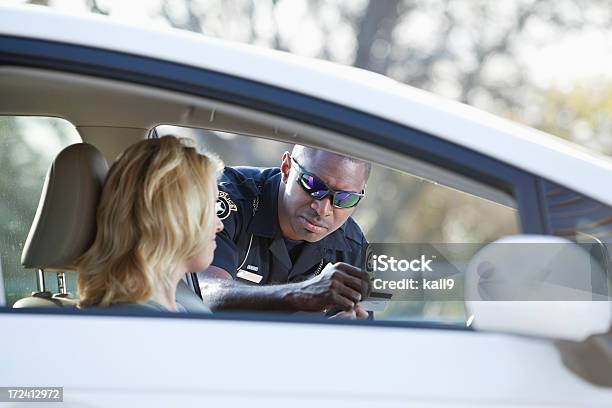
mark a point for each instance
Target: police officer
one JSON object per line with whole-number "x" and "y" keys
{"x": 288, "y": 241}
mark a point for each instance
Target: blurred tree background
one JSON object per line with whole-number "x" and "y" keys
{"x": 479, "y": 52}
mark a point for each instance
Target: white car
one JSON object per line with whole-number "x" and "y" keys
{"x": 117, "y": 84}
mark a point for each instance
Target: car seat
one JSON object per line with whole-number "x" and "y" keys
{"x": 64, "y": 224}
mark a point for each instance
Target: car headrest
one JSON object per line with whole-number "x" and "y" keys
{"x": 65, "y": 223}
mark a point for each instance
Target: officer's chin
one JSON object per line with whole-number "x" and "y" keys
{"x": 305, "y": 235}
{"x": 309, "y": 236}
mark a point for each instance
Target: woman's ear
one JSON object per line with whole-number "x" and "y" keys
{"x": 285, "y": 166}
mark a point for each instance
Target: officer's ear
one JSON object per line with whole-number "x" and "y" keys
{"x": 285, "y": 166}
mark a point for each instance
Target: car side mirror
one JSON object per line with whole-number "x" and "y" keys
{"x": 539, "y": 285}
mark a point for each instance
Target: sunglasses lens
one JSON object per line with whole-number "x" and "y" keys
{"x": 307, "y": 181}
{"x": 344, "y": 199}
{"x": 315, "y": 187}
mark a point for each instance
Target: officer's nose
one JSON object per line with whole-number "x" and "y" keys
{"x": 219, "y": 225}
{"x": 323, "y": 207}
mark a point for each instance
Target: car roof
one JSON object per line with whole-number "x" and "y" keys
{"x": 526, "y": 148}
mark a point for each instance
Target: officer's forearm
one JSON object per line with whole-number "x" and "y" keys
{"x": 227, "y": 294}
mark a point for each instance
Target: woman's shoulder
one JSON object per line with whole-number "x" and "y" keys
{"x": 149, "y": 305}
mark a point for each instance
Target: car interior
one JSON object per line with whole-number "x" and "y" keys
{"x": 110, "y": 115}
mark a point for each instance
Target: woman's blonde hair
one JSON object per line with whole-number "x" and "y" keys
{"x": 157, "y": 209}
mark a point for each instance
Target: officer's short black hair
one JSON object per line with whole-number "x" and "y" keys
{"x": 307, "y": 153}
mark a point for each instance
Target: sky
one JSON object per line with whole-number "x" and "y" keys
{"x": 577, "y": 58}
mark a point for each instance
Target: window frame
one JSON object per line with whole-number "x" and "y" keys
{"x": 362, "y": 126}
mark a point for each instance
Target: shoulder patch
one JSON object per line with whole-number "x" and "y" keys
{"x": 225, "y": 205}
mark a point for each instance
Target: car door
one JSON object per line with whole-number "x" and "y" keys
{"x": 104, "y": 358}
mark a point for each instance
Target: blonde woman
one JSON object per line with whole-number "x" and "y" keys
{"x": 156, "y": 221}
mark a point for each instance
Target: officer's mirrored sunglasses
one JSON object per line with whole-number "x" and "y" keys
{"x": 316, "y": 188}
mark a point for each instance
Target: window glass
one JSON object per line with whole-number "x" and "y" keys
{"x": 582, "y": 219}
{"x": 28, "y": 145}
{"x": 397, "y": 208}
{"x": 572, "y": 215}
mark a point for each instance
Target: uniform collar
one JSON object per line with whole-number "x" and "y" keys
{"x": 265, "y": 220}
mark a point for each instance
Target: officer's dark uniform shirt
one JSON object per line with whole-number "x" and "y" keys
{"x": 251, "y": 247}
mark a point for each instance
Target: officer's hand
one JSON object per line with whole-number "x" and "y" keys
{"x": 350, "y": 315}
{"x": 361, "y": 313}
{"x": 357, "y": 313}
{"x": 339, "y": 285}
